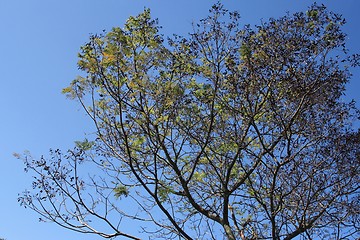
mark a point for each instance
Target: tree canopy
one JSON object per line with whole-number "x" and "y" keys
{"x": 230, "y": 132}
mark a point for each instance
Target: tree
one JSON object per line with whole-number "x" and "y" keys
{"x": 229, "y": 133}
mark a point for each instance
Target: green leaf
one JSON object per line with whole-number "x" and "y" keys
{"x": 121, "y": 190}
{"x": 84, "y": 145}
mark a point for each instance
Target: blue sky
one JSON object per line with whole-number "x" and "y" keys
{"x": 38, "y": 54}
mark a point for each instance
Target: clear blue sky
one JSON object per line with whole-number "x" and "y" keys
{"x": 38, "y": 54}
